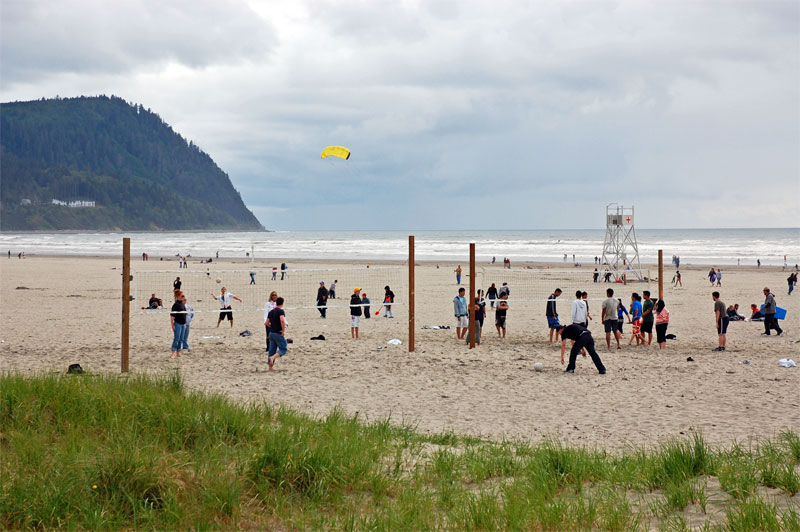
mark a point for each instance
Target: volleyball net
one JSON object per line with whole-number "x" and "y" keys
{"x": 253, "y": 286}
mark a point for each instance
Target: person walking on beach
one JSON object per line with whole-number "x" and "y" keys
{"x": 252, "y": 277}
{"x": 758, "y": 262}
{"x": 792, "y": 280}
{"x": 224, "y": 299}
{"x": 177, "y": 319}
{"x": 276, "y": 322}
{"x": 388, "y": 299}
{"x": 501, "y": 314}
{"x": 620, "y": 319}
{"x": 355, "y": 312}
{"x": 595, "y": 275}
{"x": 365, "y": 301}
{"x": 712, "y": 276}
{"x": 609, "y": 318}
{"x": 722, "y": 320}
{"x": 491, "y": 294}
{"x": 648, "y": 318}
{"x": 583, "y": 340}
{"x": 270, "y": 304}
{"x": 678, "y": 278}
{"x": 719, "y": 277}
{"x": 552, "y": 315}
{"x": 322, "y": 298}
{"x": 176, "y": 284}
{"x": 461, "y": 314}
{"x": 186, "y": 328}
{"x": 770, "y": 308}
{"x": 458, "y": 274}
{"x": 662, "y": 322}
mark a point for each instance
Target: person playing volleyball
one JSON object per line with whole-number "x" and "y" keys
{"x": 224, "y": 299}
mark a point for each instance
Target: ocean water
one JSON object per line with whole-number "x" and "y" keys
{"x": 694, "y": 246}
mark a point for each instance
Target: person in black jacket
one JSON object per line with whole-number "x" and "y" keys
{"x": 322, "y": 298}
{"x": 583, "y": 339}
{"x": 355, "y": 312}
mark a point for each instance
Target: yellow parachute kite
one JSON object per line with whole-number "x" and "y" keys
{"x": 336, "y": 151}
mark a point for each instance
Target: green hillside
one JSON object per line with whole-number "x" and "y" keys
{"x": 140, "y": 173}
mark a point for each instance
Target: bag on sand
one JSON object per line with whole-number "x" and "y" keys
{"x": 75, "y": 369}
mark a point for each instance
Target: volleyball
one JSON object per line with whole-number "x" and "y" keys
{"x": 219, "y": 280}
{"x": 538, "y": 366}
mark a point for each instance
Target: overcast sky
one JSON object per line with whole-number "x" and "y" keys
{"x": 459, "y": 114}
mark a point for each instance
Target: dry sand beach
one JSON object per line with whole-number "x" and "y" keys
{"x": 62, "y": 310}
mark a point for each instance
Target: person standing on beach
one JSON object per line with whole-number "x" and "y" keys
{"x": 276, "y": 322}
{"x": 252, "y": 277}
{"x": 648, "y": 317}
{"x": 355, "y": 312}
{"x": 609, "y": 318}
{"x": 636, "y": 319}
{"x": 283, "y": 270}
{"x": 273, "y": 296}
{"x": 491, "y": 294}
{"x": 274, "y": 273}
{"x": 461, "y": 314}
{"x": 388, "y": 299}
{"x": 585, "y": 298}
{"x": 177, "y": 319}
{"x": 578, "y": 309}
{"x": 189, "y": 316}
{"x": 458, "y": 274}
{"x": 176, "y": 284}
{"x": 662, "y": 322}
{"x": 501, "y": 314}
{"x": 769, "y": 309}
{"x": 365, "y": 301}
{"x": 332, "y": 289}
{"x": 620, "y": 320}
{"x": 552, "y": 315}
{"x": 480, "y": 315}
{"x": 758, "y": 262}
{"x": 582, "y": 339}
{"x": 719, "y": 277}
{"x": 678, "y": 278}
{"x": 504, "y": 289}
{"x": 224, "y": 299}
{"x": 322, "y": 298}
{"x": 595, "y": 275}
{"x": 712, "y": 276}
{"x": 792, "y": 280}
{"x": 721, "y": 317}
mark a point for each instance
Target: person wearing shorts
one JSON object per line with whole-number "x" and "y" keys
{"x": 636, "y": 319}
{"x": 276, "y": 321}
{"x": 662, "y": 322}
{"x": 621, "y": 310}
{"x": 500, "y": 315}
{"x": 721, "y": 318}
{"x": 609, "y": 317}
{"x": 552, "y": 315}
{"x": 355, "y": 312}
{"x": 224, "y": 299}
{"x": 461, "y": 314}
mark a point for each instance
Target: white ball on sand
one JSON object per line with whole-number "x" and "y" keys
{"x": 538, "y": 366}
{"x": 219, "y": 280}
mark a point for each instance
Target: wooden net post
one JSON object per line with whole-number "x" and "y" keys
{"x": 660, "y": 274}
{"x": 411, "y": 317}
{"x": 471, "y": 295}
{"x": 126, "y": 302}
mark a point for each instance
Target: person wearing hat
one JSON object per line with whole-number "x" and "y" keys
{"x": 355, "y": 312}
{"x": 365, "y": 302}
{"x": 322, "y": 298}
{"x": 769, "y": 314}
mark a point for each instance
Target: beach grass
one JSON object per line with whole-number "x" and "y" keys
{"x": 105, "y": 452}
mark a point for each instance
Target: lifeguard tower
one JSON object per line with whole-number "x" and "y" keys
{"x": 620, "y": 250}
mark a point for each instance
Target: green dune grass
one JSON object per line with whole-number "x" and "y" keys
{"x": 141, "y": 452}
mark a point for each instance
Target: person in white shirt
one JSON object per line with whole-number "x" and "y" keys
{"x": 578, "y": 312}
{"x": 224, "y": 299}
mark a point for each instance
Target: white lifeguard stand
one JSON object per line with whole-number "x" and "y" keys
{"x": 620, "y": 250}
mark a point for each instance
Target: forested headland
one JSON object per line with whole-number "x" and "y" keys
{"x": 109, "y": 165}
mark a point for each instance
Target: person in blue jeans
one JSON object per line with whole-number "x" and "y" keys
{"x": 177, "y": 319}
{"x": 189, "y": 316}
{"x": 276, "y": 321}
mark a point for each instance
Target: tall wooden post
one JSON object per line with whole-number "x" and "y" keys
{"x": 471, "y": 296}
{"x": 126, "y": 302}
{"x": 660, "y": 274}
{"x": 411, "y": 317}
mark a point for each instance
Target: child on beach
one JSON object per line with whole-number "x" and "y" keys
{"x": 355, "y": 312}
{"x": 636, "y": 319}
{"x": 365, "y": 301}
{"x": 500, "y": 315}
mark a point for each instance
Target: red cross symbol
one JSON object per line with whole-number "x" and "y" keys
{"x": 628, "y": 219}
